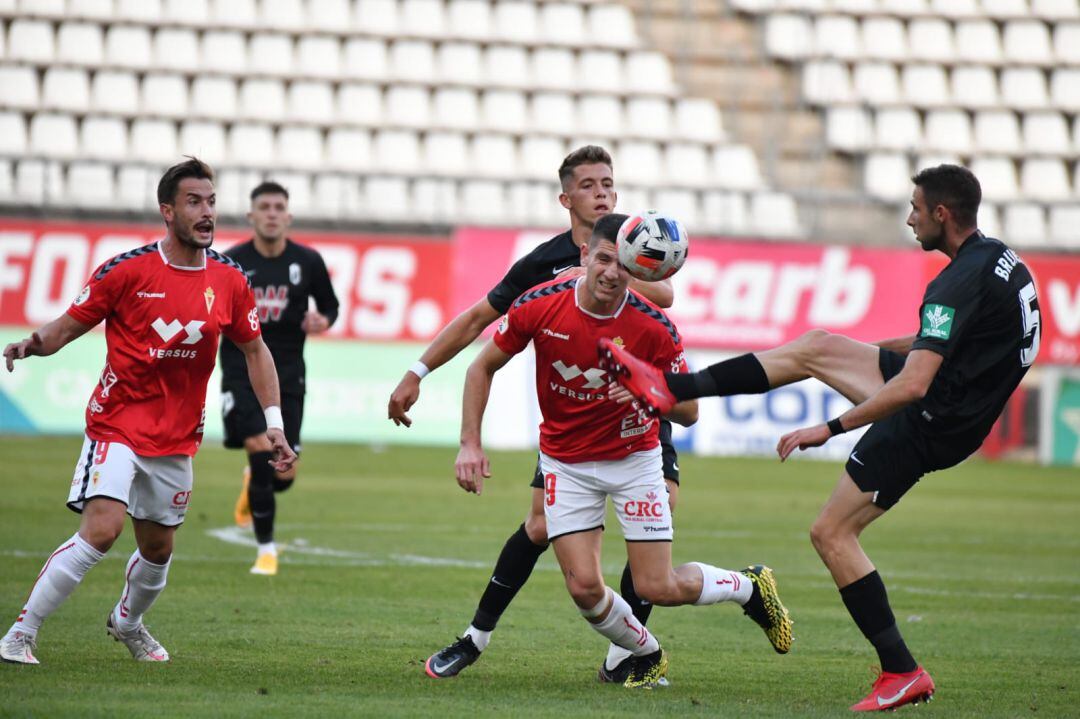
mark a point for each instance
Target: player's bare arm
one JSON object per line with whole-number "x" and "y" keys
{"x": 660, "y": 293}
{"x": 453, "y": 338}
{"x": 911, "y": 384}
{"x": 900, "y": 345}
{"x": 684, "y": 413}
{"x": 48, "y": 339}
{"x": 472, "y": 465}
{"x": 263, "y": 376}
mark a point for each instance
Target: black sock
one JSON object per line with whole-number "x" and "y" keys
{"x": 280, "y": 485}
{"x": 638, "y": 606}
{"x": 512, "y": 570}
{"x": 738, "y": 375}
{"x": 868, "y": 605}
{"x": 261, "y": 496}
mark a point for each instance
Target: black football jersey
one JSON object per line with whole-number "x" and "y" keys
{"x": 543, "y": 263}
{"x": 981, "y": 314}
{"x": 282, "y": 286}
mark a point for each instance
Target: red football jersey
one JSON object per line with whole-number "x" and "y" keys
{"x": 580, "y": 424}
{"x": 161, "y": 328}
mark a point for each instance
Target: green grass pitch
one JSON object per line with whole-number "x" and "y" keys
{"x": 388, "y": 559}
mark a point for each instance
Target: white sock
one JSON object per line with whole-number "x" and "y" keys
{"x": 621, "y": 626}
{"x": 616, "y": 655}
{"x": 479, "y": 637}
{"x": 721, "y": 585}
{"x": 144, "y": 581}
{"x": 267, "y": 548}
{"x": 58, "y": 578}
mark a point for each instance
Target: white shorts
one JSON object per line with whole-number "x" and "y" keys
{"x": 154, "y": 488}
{"x": 575, "y": 494}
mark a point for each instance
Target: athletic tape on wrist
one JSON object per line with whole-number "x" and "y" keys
{"x": 835, "y": 427}
{"x": 273, "y": 418}
{"x": 419, "y": 369}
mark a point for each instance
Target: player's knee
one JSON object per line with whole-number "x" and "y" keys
{"x": 102, "y": 534}
{"x": 659, "y": 591}
{"x": 814, "y": 342}
{"x": 586, "y": 592}
{"x": 536, "y": 528}
{"x": 823, "y": 536}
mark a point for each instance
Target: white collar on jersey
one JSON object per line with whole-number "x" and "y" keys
{"x": 165, "y": 259}
{"x": 599, "y": 317}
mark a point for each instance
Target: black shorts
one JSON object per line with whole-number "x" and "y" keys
{"x": 897, "y": 451}
{"x": 243, "y": 416}
{"x": 667, "y": 452}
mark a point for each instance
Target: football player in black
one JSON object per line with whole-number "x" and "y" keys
{"x": 588, "y": 193}
{"x": 283, "y": 275}
{"x": 930, "y": 399}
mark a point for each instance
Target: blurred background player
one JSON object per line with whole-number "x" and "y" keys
{"x": 588, "y": 193}
{"x": 283, "y": 275}
{"x": 930, "y": 398}
{"x": 144, "y": 420}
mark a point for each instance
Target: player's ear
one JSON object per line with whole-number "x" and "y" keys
{"x": 584, "y": 254}
{"x": 167, "y": 212}
{"x": 564, "y": 200}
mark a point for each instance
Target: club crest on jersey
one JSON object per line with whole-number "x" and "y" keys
{"x": 294, "y": 273}
{"x": 83, "y": 296}
{"x": 618, "y": 341}
{"x": 504, "y": 324}
{"x": 209, "y": 297}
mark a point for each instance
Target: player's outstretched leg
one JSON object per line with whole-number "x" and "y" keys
{"x": 242, "y": 510}
{"x": 263, "y": 509}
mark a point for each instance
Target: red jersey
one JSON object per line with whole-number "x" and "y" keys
{"x": 161, "y": 329}
{"x": 580, "y": 424}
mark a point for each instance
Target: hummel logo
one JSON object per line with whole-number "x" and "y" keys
{"x": 559, "y": 270}
{"x": 856, "y": 460}
{"x": 883, "y": 701}
{"x": 170, "y": 330}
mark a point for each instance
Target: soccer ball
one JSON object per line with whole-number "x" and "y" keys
{"x": 652, "y": 246}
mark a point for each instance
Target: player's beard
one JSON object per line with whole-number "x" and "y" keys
{"x": 931, "y": 242}
{"x": 190, "y": 238}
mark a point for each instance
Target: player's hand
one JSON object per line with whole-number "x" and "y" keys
{"x": 802, "y": 439}
{"x": 284, "y": 456}
{"x": 618, "y": 393}
{"x": 314, "y": 323}
{"x": 21, "y": 350}
{"x": 570, "y": 272}
{"x": 403, "y": 398}
{"x": 471, "y": 467}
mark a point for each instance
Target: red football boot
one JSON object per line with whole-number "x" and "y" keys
{"x": 641, "y": 379}
{"x": 894, "y": 690}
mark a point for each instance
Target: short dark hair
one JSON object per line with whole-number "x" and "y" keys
{"x": 606, "y": 228}
{"x": 587, "y": 155}
{"x": 269, "y": 188}
{"x": 953, "y": 186}
{"x": 170, "y": 181}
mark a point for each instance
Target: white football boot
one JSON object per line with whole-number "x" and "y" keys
{"x": 18, "y": 648}
{"x": 139, "y": 642}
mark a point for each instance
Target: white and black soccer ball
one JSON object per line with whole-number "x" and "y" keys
{"x": 651, "y": 245}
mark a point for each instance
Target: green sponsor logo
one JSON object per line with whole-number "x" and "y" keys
{"x": 937, "y": 321}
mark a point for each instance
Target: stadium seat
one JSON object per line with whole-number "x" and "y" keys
{"x": 687, "y": 165}
{"x": 516, "y": 22}
{"x": 698, "y": 118}
{"x": 483, "y": 201}
{"x": 335, "y": 196}
{"x": 639, "y": 163}
{"x": 459, "y": 62}
{"x": 143, "y": 11}
{"x": 837, "y": 36}
{"x": 7, "y": 181}
{"x": 103, "y": 138}
{"x": 826, "y": 83}
{"x": 379, "y": 17}
{"x": 925, "y": 85}
{"x": 318, "y": 56}
{"x": 365, "y": 59}
{"x": 233, "y": 13}
{"x": 79, "y": 43}
{"x": 300, "y": 147}
{"x": 680, "y": 204}
{"x": 648, "y": 72}
{"x": 283, "y": 15}
{"x": 1046, "y": 133}
{"x": 214, "y": 97}
{"x": 504, "y": 110}
{"x": 506, "y": 66}
{"x": 1065, "y": 89}
{"x": 735, "y": 167}
{"x": 251, "y": 145}
{"x": 1067, "y": 43}
{"x": 563, "y": 23}
{"x": 175, "y": 49}
{"x": 849, "y": 129}
{"x": 412, "y": 60}
{"x": 933, "y": 159}
{"x": 493, "y": 156}
{"x": 12, "y": 133}
{"x": 435, "y": 200}
{"x": 789, "y": 37}
{"x": 898, "y": 128}
{"x": 1025, "y": 225}
{"x": 854, "y": 7}
{"x": 358, "y": 104}
{"x": 1005, "y": 9}
{"x": 883, "y": 38}
{"x": 552, "y": 112}
{"x": 329, "y": 15}
{"x": 311, "y": 102}
{"x": 128, "y": 46}
{"x": 408, "y": 106}
{"x": 270, "y": 54}
{"x": 39, "y": 182}
{"x": 1027, "y": 41}
{"x": 1064, "y": 230}
{"x": 974, "y": 87}
{"x": 53, "y": 135}
{"x": 773, "y": 214}
{"x": 905, "y": 8}
{"x": 948, "y": 131}
{"x": 931, "y": 39}
{"x": 90, "y": 184}
{"x": 422, "y": 18}
{"x": 887, "y": 176}
{"x": 153, "y": 141}
{"x": 725, "y": 212}
{"x": 349, "y": 149}
{"x": 262, "y": 100}
{"x": 989, "y": 220}
{"x": 601, "y": 115}
{"x": 1076, "y": 141}
{"x": 997, "y": 175}
{"x": 224, "y": 51}
{"x": 807, "y": 6}
{"x": 116, "y": 92}
{"x": 876, "y": 83}
{"x": 997, "y": 131}
{"x": 600, "y": 70}
{"x": 1055, "y": 9}
{"x": 540, "y": 157}
{"x": 648, "y": 117}
{"x": 164, "y": 95}
{"x": 20, "y": 87}
{"x": 978, "y": 41}
{"x": 1023, "y": 88}
{"x": 1044, "y": 179}
{"x": 98, "y": 9}
{"x": 553, "y": 68}
{"x": 469, "y": 19}
{"x": 455, "y": 108}
{"x": 30, "y": 41}
{"x": 955, "y": 8}
{"x": 397, "y": 151}
{"x": 611, "y": 25}
{"x": 299, "y": 186}
{"x": 232, "y": 188}
{"x": 189, "y": 12}
{"x": 446, "y": 153}
{"x": 205, "y": 140}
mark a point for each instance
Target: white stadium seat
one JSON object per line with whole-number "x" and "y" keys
{"x": 446, "y": 153}
{"x": 329, "y": 15}
{"x": 205, "y": 140}
{"x": 7, "y": 180}
{"x": 1067, "y": 43}
{"x": 116, "y": 92}
{"x": 164, "y": 95}
{"x": 224, "y": 51}
{"x": 234, "y": 13}
{"x": 30, "y": 40}
{"x": 849, "y": 129}
{"x": 386, "y": 198}
{"x": 648, "y": 72}
{"x": 365, "y": 59}
{"x": 469, "y": 19}
{"x": 334, "y": 196}
{"x": 563, "y": 23}
{"x": 698, "y": 118}
{"x": 725, "y": 212}
{"x": 898, "y": 129}
{"x": 1005, "y": 9}
{"x": 80, "y": 43}
{"x": 552, "y": 112}
{"x": 300, "y": 147}
{"x": 190, "y": 12}
{"x": 459, "y": 62}
{"x": 600, "y": 70}
{"x": 1076, "y": 139}
{"x": 1023, "y": 88}
{"x": 412, "y": 60}
{"x": 997, "y": 131}
{"x": 128, "y": 46}
{"x": 925, "y": 85}
{"x": 408, "y": 106}
{"x": 1027, "y": 41}
{"x": 974, "y": 87}
{"x": 456, "y": 108}
{"x": 506, "y": 65}
{"x": 687, "y": 165}
{"x": 825, "y": 83}
{"x": 12, "y": 133}
{"x": 153, "y": 141}
{"x": 1064, "y": 228}
{"x": 483, "y": 201}
{"x": 553, "y": 68}
{"x": 978, "y": 41}
{"x": 103, "y": 138}
{"x": 318, "y": 56}
{"x": 299, "y": 187}
{"x": 997, "y": 175}
{"x": 143, "y": 11}
{"x": 270, "y": 54}
{"x": 379, "y": 17}
{"x": 648, "y": 117}
{"x": 639, "y": 163}
{"x": 1046, "y": 133}
{"x": 39, "y": 182}
{"x": 516, "y": 22}
{"x": 682, "y": 204}
{"x": 262, "y": 100}
{"x": 773, "y": 214}
{"x": 20, "y": 86}
{"x": 601, "y": 115}
{"x": 53, "y": 135}
{"x": 504, "y": 110}
{"x": 989, "y": 219}
{"x": 358, "y": 104}
{"x": 883, "y": 38}
{"x": 905, "y": 8}
{"x": 135, "y": 187}
{"x": 948, "y": 131}
{"x": 214, "y": 97}
{"x": 876, "y": 83}
{"x": 397, "y": 151}
{"x": 1065, "y": 89}
{"x": 955, "y": 8}
{"x": 435, "y": 200}
{"x": 540, "y": 156}
{"x": 735, "y": 167}
{"x": 931, "y": 39}
{"x": 612, "y": 25}
{"x": 789, "y": 37}
{"x": 311, "y": 102}
{"x": 837, "y": 36}
{"x": 284, "y": 15}
{"x": 1045, "y": 179}
{"x": 349, "y": 149}
{"x": 1025, "y": 224}
{"x": 1055, "y": 9}
{"x": 493, "y": 156}
{"x": 98, "y": 9}
{"x": 90, "y": 184}
{"x": 887, "y": 176}
{"x": 175, "y": 49}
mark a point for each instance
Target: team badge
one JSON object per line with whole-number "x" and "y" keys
{"x": 504, "y": 325}
{"x": 83, "y": 296}
{"x": 618, "y": 341}
{"x": 294, "y": 273}
{"x": 209, "y": 297}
